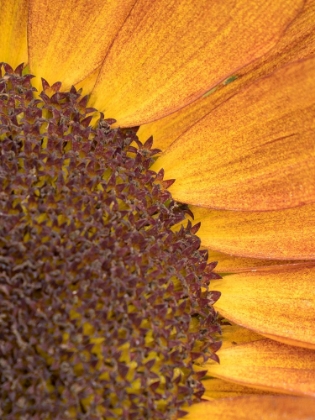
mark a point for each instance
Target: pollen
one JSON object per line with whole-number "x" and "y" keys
{"x": 106, "y": 311}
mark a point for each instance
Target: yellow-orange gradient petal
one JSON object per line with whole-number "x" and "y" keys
{"x": 13, "y": 32}
{"x": 235, "y": 334}
{"x": 166, "y": 130}
{"x": 264, "y": 407}
{"x": 230, "y": 264}
{"x": 255, "y": 151}
{"x": 88, "y": 83}
{"x": 217, "y": 388}
{"x": 69, "y": 39}
{"x": 269, "y": 365}
{"x": 284, "y": 234}
{"x": 297, "y": 42}
{"x": 169, "y": 53}
{"x": 279, "y": 304}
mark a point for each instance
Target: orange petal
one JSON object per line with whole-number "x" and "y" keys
{"x": 285, "y": 234}
{"x": 217, "y": 388}
{"x": 235, "y": 334}
{"x": 264, "y": 407}
{"x": 279, "y": 304}
{"x": 169, "y": 54}
{"x": 269, "y": 365}
{"x": 230, "y": 264}
{"x": 255, "y": 151}
{"x": 13, "y": 32}
{"x": 69, "y": 39}
{"x": 296, "y": 43}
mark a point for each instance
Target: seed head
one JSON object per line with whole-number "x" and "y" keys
{"x": 104, "y": 302}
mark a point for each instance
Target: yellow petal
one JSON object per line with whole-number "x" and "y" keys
{"x": 88, "y": 82}
{"x": 297, "y": 42}
{"x": 169, "y": 54}
{"x": 264, "y": 407}
{"x": 255, "y": 151}
{"x": 279, "y": 304}
{"x": 286, "y": 234}
{"x": 69, "y": 39}
{"x": 230, "y": 264}
{"x": 217, "y": 388}
{"x": 235, "y": 334}
{"x": 13, "y": 32}
{"x": 269, "y": 365}
{"x": 168, "y": 129}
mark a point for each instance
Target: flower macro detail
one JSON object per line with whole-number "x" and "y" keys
{"x": 226, "y": 90}
{"x": 105, "y": 306}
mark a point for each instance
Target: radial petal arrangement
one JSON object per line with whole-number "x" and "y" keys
{"x": 226, "y": 89}
{"x": 172, "y": 66}
{"x": 260, "y": 144}
{"x": 285, "y": 297}
{"x": 67, "y": 43}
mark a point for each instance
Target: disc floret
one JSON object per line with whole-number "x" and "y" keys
{"x": 105, "y": 302}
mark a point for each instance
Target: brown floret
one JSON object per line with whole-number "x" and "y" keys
{"x": 104, "y": 305}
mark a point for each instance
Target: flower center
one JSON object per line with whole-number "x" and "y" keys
{"x": 105, "y": 304}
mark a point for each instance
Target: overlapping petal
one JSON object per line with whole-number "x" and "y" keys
{"x": 250, "y": 146}
{"x": 157, "y": 64}
{"x": 67, "y": 40}
{"x": 255, "y": 151}
{"x": 279, "y": 304}
{"x": 296, "y": 43}
{"x": 285, "y": 234}
{"x": 13, "y": 33}
{"x": 268, "y": 365}
{"x": 255, "y": 407}
{"x": 231, "y": 264}
{"x": 234, "y": 334}
{"x": 217, "y": 388}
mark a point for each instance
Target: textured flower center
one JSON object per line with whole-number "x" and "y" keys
{"x": 105, "y": 303}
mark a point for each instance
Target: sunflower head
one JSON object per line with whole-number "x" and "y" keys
{"x": 105, "y": 305}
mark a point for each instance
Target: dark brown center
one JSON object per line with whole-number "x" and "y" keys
{"x": 105, "y": 303}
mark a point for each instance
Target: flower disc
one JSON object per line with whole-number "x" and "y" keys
{"x": 105, "y": 304}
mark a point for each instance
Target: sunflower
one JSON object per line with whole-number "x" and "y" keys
{"x": 226, "y": 89}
